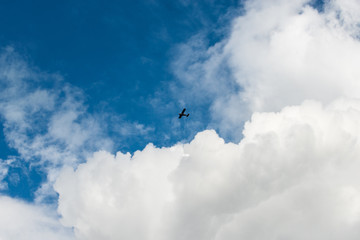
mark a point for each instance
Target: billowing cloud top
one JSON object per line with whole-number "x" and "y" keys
{"x": 283, "y": 52}
{"x": 294, "y": 175}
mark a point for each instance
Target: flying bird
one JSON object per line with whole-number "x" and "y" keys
{"x": 183, "y": 113}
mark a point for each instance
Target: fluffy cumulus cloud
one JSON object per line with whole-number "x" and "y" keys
{"x": 283, "y": 52}
{"x": 293, "y": 176}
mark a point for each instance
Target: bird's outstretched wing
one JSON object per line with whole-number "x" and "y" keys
{"x": 183, "y": 111}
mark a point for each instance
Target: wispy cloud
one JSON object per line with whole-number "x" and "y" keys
{"x": 44, "y": 123}
{"x": 25, "y": 221}
{"x": 4, "y": 167}
{"x": 47, "y": 122}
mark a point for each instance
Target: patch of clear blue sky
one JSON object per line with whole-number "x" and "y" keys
{"x": 318, "y": 4}
{"x": 118, "y": 52}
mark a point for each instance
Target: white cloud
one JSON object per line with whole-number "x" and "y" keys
{"x": 118, "y": 197}
{"x": 289, "y": 52}
{"x": 37, "y": 120}
{"x": 20, "y": 220}
{"x": 278, "y": 53}
{"x": 294, "y": 173}
{"x": 4, "y": 167}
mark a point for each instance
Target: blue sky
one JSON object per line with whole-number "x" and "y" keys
{"x": 119, "y": 54}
